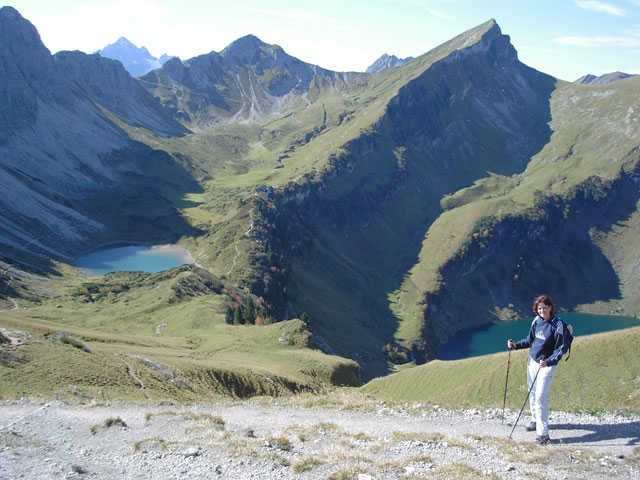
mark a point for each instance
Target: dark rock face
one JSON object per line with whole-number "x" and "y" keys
{"x": 110, "y": 85}
{"x": 136, "y": 60}
{"x": 24, "y": 64}
{"x": 477, "y": 110}
{"x": 60, "y": 151}
{"x": 387, "y": 61}
{"x": 248, "y": 80}
{"x": 525, "y": 255}
{"x": 605, "y": 79}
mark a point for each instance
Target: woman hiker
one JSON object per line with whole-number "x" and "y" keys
{"x": 546, "y": 341}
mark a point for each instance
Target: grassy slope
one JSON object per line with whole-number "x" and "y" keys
{"x": 602, "y": 374}
{"x": 594, "y": 129}
{"x": 232, "y": 160}
{"x": 355, "y": 268}
{"x": 229, "y": 161}
{"x": 194, "y": 340}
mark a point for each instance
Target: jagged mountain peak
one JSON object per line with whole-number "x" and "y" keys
{"x": 244, "y": 43}
{"x": 17, "y": 33}
{"x": 136, "y": 60}
{"x": 489, "y": 36}
{"x": 124, "y": 41}
{"x": 387, "y": 61}
{"x": 249, "y": 49}
{"x": 10, "y": 12}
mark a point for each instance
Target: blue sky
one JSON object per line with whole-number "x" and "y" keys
{"x": 565, "y": 38}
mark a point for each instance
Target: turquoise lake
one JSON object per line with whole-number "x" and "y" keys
{"x": 493, "y": 338}
{"x": 134, "y": 258}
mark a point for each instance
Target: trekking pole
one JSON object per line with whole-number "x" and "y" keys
{"x": 525, "y": 402}
{"x": 506, "y": 382}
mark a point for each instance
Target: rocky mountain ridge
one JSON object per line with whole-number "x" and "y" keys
{"x": 318, "y": 192}
{"x": 59, "y": 143}
{"x": 604, "y": 79}
{"x": 471, "y": 128}
{"x": 248, "y": 81}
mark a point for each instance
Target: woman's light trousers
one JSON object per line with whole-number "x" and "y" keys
{"x": 539, "y": 398}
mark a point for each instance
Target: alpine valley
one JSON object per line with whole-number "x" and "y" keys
{"x": 343, "y": 224}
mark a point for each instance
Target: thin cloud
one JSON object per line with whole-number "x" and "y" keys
{"x": 603, "y": 7}
{"x": 596, "y": 42}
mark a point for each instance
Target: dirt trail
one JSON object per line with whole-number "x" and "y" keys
{"x": 263, "y": 440}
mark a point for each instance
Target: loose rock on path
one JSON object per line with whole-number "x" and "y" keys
{"x": 264, "y": 439}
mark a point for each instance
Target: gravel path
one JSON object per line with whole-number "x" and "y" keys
{"x": 262, "y": 439}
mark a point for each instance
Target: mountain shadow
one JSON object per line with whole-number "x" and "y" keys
{"x": 354, "y": 237}
{"x": 549, "y": 249}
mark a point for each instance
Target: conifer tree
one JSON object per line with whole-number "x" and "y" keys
{"x": 249, "y": 313}
{"x": 237, "y": 316}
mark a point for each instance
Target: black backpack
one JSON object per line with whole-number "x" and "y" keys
{"x": 568, "y": 336}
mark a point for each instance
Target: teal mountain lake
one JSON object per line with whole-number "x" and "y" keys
{"x": 134, "y": 258}
{"x": 493, "y": 338}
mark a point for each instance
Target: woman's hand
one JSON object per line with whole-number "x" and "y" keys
{"x": 511, "y": 345}
{"x": 543, "y": 363}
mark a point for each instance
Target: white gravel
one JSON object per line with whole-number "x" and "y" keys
{"x": 262, "y": 439}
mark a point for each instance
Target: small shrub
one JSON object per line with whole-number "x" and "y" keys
{"x": 418, "y": 437}
{"x": 281, "y": 442}
{"x": 216, "y": 422}
{"x": 347, "y": 473}
{"x": 108, "y": 423}
{"x": 363, "y": 437}
{"x": 160, "y": 442}
{"x": 279, "y": 459}
{"x": 329, "y": 427}
{"x": 306, "y": 464}
{"x": 460, "y": 471}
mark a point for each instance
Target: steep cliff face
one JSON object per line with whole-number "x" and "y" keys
{"x": 552, "y": 247}
{"x": 567, "y": 225}
{"x": 24, "y": 64}
{"x": 248, "y": 81}
{"x": 60, "y": 148}
{"x": 109, "y": 84}
{"x": 351, "y": 235}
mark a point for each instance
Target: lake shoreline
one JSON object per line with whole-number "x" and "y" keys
{"x": 492, "y": 337}
{"x": 136, "y": 256}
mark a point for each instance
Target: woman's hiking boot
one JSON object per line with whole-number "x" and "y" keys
{"x": 543, "y": 439}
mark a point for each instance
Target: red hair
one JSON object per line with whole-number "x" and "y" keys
{"x": 546, "y": 300}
